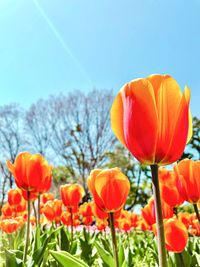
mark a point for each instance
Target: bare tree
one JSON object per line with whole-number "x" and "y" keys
{"x": 11, "y": 140}
{"x": 82, "y": 134}
{"x": 38, "y": 126}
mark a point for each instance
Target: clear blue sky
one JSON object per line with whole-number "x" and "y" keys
{"x": 50, "y": 46}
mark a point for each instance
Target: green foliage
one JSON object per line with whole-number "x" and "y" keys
{"x": 61, "y": 174}
{"x": 51, "y": 247}
{"x": 66, "y": 259}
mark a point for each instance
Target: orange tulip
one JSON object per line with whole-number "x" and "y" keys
{"x": 46, "y": 197}
{"x": 9, "y": 225}
{"x": 86, "y": 209}
{"x": 169, "y": 192}
{"x": 33, "y": 195}
{"x": 188, "y": 172}
{"x": 87, "y": 220}
{"x": 7, "y": 210}
{"x": 195, "y": 228}
{"x": 109, "y": 188}
{"x": 71, "y": 194}
{"x": 101, "y": 224}
{"x": 67, "y": 217}
{"x": 184, "y": 217}
{"x": 143, "y": 225}
{"x": 100, "y": 214}
{"x": 21, "y": 207}
{"x": 14, "y": 197}
{"x": 134, "y": 219}
{"x": 125, "y": 224}
{"x": 148, "y": 212}
{"x": 31, "y": 172}
{"x": 53, "y": 210}
{"x": 176, "y": 235}
{"x": 150, "y": 117}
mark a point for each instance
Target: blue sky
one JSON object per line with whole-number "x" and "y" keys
{"x": 52, "y": 46}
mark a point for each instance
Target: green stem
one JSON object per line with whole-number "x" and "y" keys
{"x": 39, "y": 209}
{"x": 197, "y": 212}
{"x": 72, "y": 226}
{"x": 27, "y": 228}
{"x": 181, "y": 259}
{"x": 35, "y": 213}
{"x": 159, "y": 219}
{"x": 10, "y": 241}
{"x": 114, "y": 240}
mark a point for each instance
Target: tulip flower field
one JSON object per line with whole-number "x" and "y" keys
{"x": 38, "y": 229}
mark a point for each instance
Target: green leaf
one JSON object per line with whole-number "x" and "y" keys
{"x": 66, "y": 259}
{"x": 12, "y": 260}
{"x": 182, "y": 258}
{"x": 121, "y": 254}
{"x": 38, "y": 254}
{"x": 37, "y": 243}
{"x": 105, "y": 256}
{"x": 64, "y": 240}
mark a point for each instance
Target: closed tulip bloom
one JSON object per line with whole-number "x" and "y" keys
{"x": 188, "y": 184}
{"x": 67, "y": 219}
{"x": 100, "y": 214}
{"x": 195, "y": 228}
{"x": 169, "y": 192}
{"x": 21, "y": 207}
{"x": 53, "y": 210}
{"x": 109, "y": 188}
{"x": 33, "y": 195}
{"x": 150, "y": 117}
{"x": 7, "y": 210}
{"x": 176, "y": 235}
{"x": 71, "y": 194}
{"x": 101, "y": 224}
{"x": 185, "y": 218}
{"x": 14, "y": 197}
{"x": 86, "y": 209}
{"x": 87, "y": 220}
{"x": 31, "y": 172}
{"x": 148, "y": 212}
{"x": 125, "y": 224}
{"x": 9, "y": 225}
{"x": 46, "y": 197}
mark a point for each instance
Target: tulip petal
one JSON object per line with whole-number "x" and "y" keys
{"x": 117, "y": 117}
{"x": 168, "y": 96}
{"x": 140, "y": 119}
{"x": 180, "y": 131}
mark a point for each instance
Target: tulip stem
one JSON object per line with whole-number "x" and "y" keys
{"x": 27, "y": 228}
{"x": 162, "y": 256}
{"x": 39, "y": 209}
{"x": 114, "y": 240}
{"x": 197, "y": 212}
{"x": 35, "y": 213}
{"x": 181, "y": 259}
{"x": 72, "y": 226}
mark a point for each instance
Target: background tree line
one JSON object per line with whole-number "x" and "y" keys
{"x": 73, "y": 132}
